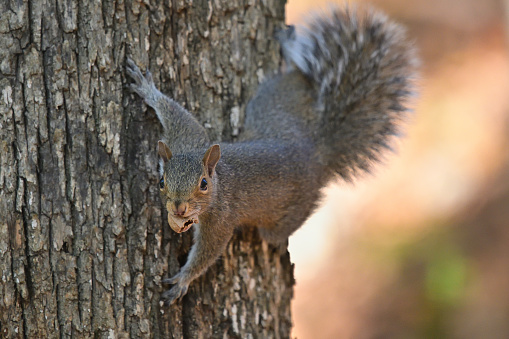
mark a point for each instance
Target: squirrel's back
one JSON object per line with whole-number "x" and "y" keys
{"x": 282, "y": 108}
{"x": 347, "y": 82}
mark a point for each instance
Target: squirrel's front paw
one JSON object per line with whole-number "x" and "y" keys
{"x": 143, "y": 85}
{"x": 177, "y": 291}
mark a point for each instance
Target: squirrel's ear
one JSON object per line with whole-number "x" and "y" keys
{"x": 164, "y": 151}
{"x": 211, "y": 158}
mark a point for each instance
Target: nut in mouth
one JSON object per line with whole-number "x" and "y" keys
{"x": 181, "y": 225}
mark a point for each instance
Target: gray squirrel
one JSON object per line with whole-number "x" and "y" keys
{"x": 330, "y": 113}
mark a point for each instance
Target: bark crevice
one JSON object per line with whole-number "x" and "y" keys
{"x": 84, "y": 242}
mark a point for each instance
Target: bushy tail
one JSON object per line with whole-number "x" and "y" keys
{"x": 363, "y": 69}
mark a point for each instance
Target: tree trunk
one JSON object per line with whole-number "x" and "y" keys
{"x": 84, "y": 241}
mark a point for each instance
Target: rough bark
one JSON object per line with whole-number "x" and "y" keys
{"x": 83, "y": 238}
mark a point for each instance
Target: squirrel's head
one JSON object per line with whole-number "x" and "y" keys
{"x": 187, "y": 184}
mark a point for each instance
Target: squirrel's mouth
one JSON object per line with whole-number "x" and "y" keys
{"x": 179, "y": 224}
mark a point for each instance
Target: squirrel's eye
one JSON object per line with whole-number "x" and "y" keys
{"x": 203, "y": 184}
{"x": 161, "y": 183}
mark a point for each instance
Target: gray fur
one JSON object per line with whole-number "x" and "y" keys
{"x": 331, "y": 113}
{"x": 362, "y": 68}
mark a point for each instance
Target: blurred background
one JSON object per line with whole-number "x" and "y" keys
{"x": 420, "y": 249}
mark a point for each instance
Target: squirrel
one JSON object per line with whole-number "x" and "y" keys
{"x": 329, "y": 114}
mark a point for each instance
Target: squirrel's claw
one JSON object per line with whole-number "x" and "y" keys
{"x": 134, "y": 72}
{"x": 143, "y": 85}
{"x": 177, "y": 291}
{"x": 174, "y": 293}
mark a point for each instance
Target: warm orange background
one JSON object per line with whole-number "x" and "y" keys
{"x": 420, "y": 249}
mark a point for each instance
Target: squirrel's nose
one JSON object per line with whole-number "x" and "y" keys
{"x": 180, "y": 208}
